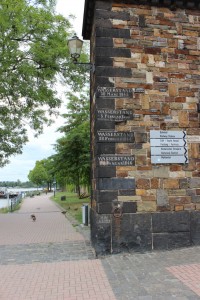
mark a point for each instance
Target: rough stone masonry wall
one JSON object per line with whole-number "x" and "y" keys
{"x": 153, "y": 53}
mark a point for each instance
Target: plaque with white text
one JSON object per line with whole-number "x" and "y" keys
{"x": 116, "y": 160}
{"x": 115, "y": 136}
{"x": 114, "y": 115}
{"x": 113, "y": 92}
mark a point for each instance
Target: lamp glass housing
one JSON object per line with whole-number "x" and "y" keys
{"x": 75, "y": 46}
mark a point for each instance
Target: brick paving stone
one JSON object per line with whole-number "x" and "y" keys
{"x": 27, "y": 281}
{"x": 51, "y": 259}
{"x": 50, "y": 226}
{"x": 188, "y": 275}
{"x": 47, "y": 259}
{"x": 49, "y": 252}
{"x": 146, "y": 276}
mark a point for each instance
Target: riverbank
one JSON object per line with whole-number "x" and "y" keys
{"x": 24, "y": 191}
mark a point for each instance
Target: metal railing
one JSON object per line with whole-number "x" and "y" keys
{"x": 15, "y": 201}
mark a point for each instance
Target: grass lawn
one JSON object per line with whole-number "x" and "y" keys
{"x": 4, "y": 210}
{"x": 72, "y": 204}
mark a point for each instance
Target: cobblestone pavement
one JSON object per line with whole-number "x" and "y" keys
{"x": 160, "y": 275}
{"x": 51, "y": 259}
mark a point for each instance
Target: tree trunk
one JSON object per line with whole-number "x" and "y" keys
{"x": 78, "y": 187}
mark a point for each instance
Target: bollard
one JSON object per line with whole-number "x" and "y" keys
{"x": 85, "y": 214}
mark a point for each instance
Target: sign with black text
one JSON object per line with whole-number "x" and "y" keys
{"x": 168, "y": 147}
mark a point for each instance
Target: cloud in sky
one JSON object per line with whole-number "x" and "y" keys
{"x": 36, "y": 149}
{"x": 76, "y": 8}
{"x": 42, "y": 147}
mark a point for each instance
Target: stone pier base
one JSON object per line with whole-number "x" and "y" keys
{"x": 144, "y": 231}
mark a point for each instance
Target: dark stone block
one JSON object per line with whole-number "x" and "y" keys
{"x": 103, "y": 61}
{"x": 116, "y": 184}
{"x": 104, "y": 208}
{"x": 113, "y": 33}
{"x": 152, "y": 50}
{"x": 132, "y": 232}
{"x": 142, "y": 22}
{"x": 140, "y": 137}
{"x": 137, "y": 146}
{"x": 195, "y": 199}
{"x": 195, "y": 227}
{"x": 104, "y": 125}
{"x": 103, "y": 5}
{"x": 106, "y": 196}
{"x": 167, "y": 241}
{"x": 126, "y": 192}
{"x": 100, "y": 232}
{"x": 194, "y": 182}
{"x": 102, "y": 23}
{"x": 129, "y": 207}
{"x": 163, "y": 208}
{"x": 170, "y": 222}
{"x": 105, "y": 172}
{"x": 105, "y": 103}
{"x": 104, "y": 42}
{"x": 191, "y": 192}
{"x": 113, "y": 52}
{"x": 102, "y": 14}
{"x": 139, "y": 223}
{"x": 105, "y": 148}
{"x": 103, "y": 81}
{"x": 184, "y": 184}
{"x": 114, "y": 72}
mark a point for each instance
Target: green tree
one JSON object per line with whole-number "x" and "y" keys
{"x": 33, "y": 57}
{"x": 48, "y": 166}
{"x": 38, "y": 175}
{"x": 72, "y": 158}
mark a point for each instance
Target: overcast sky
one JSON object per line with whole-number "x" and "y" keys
{"x": 42, "y": 147}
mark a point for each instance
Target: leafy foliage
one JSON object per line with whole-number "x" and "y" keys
{"x": 33, "y": 57}
{"x": 43, "y": 172}
{"x": 38, "y": 175}
{"x": 72, "y": 160}
{"x": 17, "y": 183}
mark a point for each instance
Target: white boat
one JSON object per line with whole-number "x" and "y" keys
{"x": 3, "y": 192}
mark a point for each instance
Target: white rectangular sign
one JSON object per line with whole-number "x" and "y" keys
{"x": 168, "y": 159}
{"x": 163, "y": 134}
{"x": 168, "y": 151}
{"x": 167, "y": 142}
{"x": 168, "y": 147}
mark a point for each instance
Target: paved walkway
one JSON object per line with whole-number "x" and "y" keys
{"x": 50, "y": 259}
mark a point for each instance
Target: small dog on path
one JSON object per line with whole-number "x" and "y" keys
{"x": 33, "y": 217}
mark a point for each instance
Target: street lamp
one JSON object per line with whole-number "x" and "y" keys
{"x": 75, "y": 46}
{"x": 54, "y": 190}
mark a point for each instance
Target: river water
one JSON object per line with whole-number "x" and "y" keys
{"x": 7, "y": 202}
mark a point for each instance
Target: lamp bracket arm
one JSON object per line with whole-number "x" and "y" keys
{"x": 91, "y": 65}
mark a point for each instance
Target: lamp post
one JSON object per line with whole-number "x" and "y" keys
{"x": 75, "y": 46}
{"x": 54, "y": 190}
